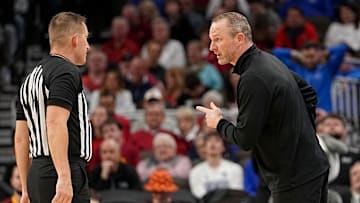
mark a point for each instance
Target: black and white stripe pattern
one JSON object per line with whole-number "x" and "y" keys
{"x": 33, "y": 97}
{"x": 85, "y": 128}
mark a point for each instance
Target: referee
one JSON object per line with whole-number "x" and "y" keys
{"x": 52, "y": 125}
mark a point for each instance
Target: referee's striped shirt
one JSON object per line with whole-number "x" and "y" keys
{"x": 55, "y": 81}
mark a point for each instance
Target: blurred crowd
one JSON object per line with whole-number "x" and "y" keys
{"x": 152, "y": 57}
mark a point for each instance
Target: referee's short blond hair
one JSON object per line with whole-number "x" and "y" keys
{"x": 64, "y": 25}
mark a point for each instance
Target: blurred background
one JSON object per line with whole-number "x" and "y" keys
{"x": 149, "y": 66}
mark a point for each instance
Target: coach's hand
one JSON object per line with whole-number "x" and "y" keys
{"x": 24, "y": 198}
{"x": 212, "y": 115}
{"x": 64, "y": 190}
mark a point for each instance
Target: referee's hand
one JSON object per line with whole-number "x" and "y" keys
{"x": 64, "y": 191}
{"x": 212, "y": 115}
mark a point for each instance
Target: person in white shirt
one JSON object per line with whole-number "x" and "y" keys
{"x": 172, "y": 51}
{"x": 348, "y": 25}
{"x": 215, "y": 172}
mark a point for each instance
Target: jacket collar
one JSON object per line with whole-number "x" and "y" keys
{"x": 241, "y": 64}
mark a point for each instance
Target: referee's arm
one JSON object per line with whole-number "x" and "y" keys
{"x": 22, "y": 149}
{"x": 58, "y": 139}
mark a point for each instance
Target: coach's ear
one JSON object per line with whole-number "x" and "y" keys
{"x": 240, "y": 37}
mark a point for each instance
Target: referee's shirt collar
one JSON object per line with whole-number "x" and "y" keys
{"x": 242, "y": 63}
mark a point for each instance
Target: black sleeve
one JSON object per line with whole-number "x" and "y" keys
{"x": 254, "y": 102}
{"x": 63, "y": 89}
{"x": 20, "y": 115}
{"x": 309, "y": 95}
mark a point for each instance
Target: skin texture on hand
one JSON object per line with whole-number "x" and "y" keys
{"x": 212, "y": 115}
{"x": 64, "y": 191}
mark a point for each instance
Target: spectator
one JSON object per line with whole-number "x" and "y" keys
{"x": 152, "y": 60}
{"x": 154, "y": 114}
{"x": 114, "y": 85}
{"x": 161, "y": 186}
{"x": 112, "y": 129}
{"x": 215, "y": 173}
{"x": 265, "y": 23}
{"x": 311, "y": 8}
{"x": 98, "y": 117}
{"x": 355, "y": 182}
{"x": 237, "y": 5}
{"x": 335, "y": 126}
{"x": 12, "y": 178}
{"x": 195, "y": 19}
{"x": 197, "y": 151}
{"x": 316, "y": 65}
{"x": 348, "y": 22}
{"x": 119, "y": 44}
{"x": 108, "y": 100}
{"x": 137, "y": 31}
{"x": 172, "y": 52}
{"x": 174, "y": 86}
{"x": 112, "y": 173}
{"x": 193, "y": 92}
{"x": 208, "y": 74}
{"x": 157, "y": 4}
{"x": 187, "y": 123}
{"x": 295, "y": 31}
{"x": 138, "y": 80}
{"x": 96, "y": 64}
{"x": 212, "y": 96}
{"x": 178, "y": 22}
{"x": 164, "y": 146}
{"x": 152, "y": 97}
{"x": 147, "y": 12}
{"x": 124, "y": 65}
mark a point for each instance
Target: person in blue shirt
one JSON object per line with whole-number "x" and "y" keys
{"x": 311, "y": 8}
{"x": 316, "y": 65}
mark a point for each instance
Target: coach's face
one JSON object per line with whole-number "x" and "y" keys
{"x": 223, "y": 43}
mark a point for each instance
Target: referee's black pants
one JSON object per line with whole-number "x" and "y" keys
{"x": 42, "y": 181}
{"x": 314, "y": 191}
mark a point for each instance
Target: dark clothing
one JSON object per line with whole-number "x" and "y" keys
{"x": 55, "y": 81}
{"x": 125, "y": 177}
{"x": 314, "y": 191}
{"x": 342, "y": 182}
{"x": 273, "y": 120}
{"x": 346, "y": 161}
{"x": 42, "y": 180}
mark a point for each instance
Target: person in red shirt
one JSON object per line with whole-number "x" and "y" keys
{"x": 96, "y": 70}
{"x": 119, "y": 44}
{"x": 295, "y": 31}
{"x": 98, "y": 117}
{"x": 154, "y": 115}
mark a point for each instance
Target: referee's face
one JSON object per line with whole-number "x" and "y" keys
{"x": 82, "y": 46}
